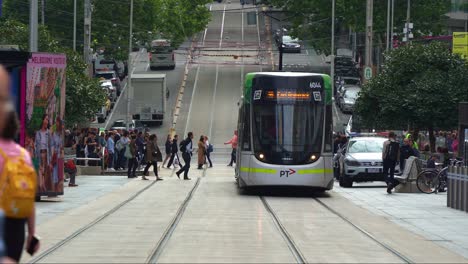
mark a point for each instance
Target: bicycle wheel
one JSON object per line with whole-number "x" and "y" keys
{"x": 427, "y": 181}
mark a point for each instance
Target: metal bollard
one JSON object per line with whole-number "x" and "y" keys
{"x": 464, "y": 172}
{"x": 450, "y": 187}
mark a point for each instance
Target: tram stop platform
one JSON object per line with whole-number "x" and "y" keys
{"x": 116, "y": 219}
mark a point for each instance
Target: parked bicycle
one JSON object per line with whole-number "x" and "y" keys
{"x": 435, "y": 180}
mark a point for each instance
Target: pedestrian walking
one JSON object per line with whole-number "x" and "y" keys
{"x": 201, "y": 152}
{"x": 168, "y": 148}
{"x": 152, "y": 153}
{"x": 390, "y": 155}
{"x": 110, "y": 152}
{"x": 209, "y": 149}
{"x": 174, "y": 152}
{"x": 16, "y": 169}
{"x": 121, "y": 146}
{"x": 233, "y": 143}
{"x": 141, "y": 144}
{"x": 130, "y": 154}
{"x": 186, "y": 147}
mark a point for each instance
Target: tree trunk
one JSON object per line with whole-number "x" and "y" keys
{"x": 432, "y": 139}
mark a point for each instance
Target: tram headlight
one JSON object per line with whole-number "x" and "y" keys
{"x": 313, "y": 157}
{"x": 260, "y": 156}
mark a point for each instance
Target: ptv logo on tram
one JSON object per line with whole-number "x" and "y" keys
{"x": 287, "y": 173}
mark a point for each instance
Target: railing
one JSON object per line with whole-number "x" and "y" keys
{"x": 457, "y": 188}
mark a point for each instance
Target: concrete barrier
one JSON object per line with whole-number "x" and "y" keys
{"x": 457, "y": 188}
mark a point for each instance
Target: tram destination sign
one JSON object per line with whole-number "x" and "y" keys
{"x": 288, "y": 96}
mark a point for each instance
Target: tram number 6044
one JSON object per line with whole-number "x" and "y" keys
{"x": 287, "y": 173}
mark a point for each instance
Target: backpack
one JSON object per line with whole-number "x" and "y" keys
{"x": 119, "y": 145}
{"x": 392, "y": 150}
{"x": 18, "y": 183}
{"x": 183, "y": 146}
{"x": 210, "y": 148}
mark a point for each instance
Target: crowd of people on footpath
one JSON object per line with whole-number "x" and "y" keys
{"x": 397, "y": 149}
{"x": 131, "y": 150}
{"x": 18, "y": 183}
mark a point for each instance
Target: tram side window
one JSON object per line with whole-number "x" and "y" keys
{"x": 246, "y": 128}
{"x": 328, "y": 129}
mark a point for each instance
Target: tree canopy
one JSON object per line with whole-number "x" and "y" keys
{"x": 173, "y": 19}
{"x": 311, "y": 19}
{"x": 84, "y": 96}
{"x": 420, "y": 86}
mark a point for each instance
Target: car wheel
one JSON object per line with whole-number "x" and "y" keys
{"x": 346, "y": 181}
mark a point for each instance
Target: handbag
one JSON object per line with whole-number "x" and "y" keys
{"x": 158, "y": 155}
{"x": 128, "y": 153}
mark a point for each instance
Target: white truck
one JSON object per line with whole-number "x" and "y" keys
{"x": 148, "y": 91}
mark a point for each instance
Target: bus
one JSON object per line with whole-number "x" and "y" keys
{"x": 285, "y": 131}
{"x": 161, "y": 54}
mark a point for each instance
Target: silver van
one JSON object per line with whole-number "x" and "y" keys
{"x": 162, "y": 54}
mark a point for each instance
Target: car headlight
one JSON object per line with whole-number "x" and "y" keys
{"x": 352, "y": 162}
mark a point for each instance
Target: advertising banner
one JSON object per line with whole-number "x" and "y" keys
{"x": 45, "y": 109}
{"x": 460, "y": 44}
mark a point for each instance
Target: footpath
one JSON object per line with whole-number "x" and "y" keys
{"x": 424, "y": 214}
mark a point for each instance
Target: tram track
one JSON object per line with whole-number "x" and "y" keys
{"x": 161, "y": 245}
{"x": 80, "y": 231}
{"x": 366, "y": 233}
{"x": 296, "y": 251}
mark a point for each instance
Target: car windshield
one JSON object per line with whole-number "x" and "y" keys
{"x": 288, "y": 39}
{"x": 106, "y": 76}
{"x": 119, "y": 124}
{"x": 351, "y": 81}
{"x": 352, "y": 94}
{"x": 161, "y": 49}
{"x": 366, "y": 146}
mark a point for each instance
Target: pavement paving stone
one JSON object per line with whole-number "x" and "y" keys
{"x": 90, "y": 188}
{"x": 423, "y": 214}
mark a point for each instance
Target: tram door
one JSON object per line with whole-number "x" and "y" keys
{"x": 244, "y": 152}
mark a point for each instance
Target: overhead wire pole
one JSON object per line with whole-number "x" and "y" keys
{"x": 74, "y": 25}
{"x": 391, "y": 23}
{"x": 387, "y": 46}
{"x": 332, "y": 52}
{"x": 87, "y": 34}
{"x": 130, "y": 65}
{"x": 369, "y": 38}
{"x": 43, "y": 12}
{"x": 408, "y": 17}
{"x": 33, "y": 23}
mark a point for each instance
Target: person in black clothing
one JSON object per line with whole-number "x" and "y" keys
{"x": 174, "y": 151}
{"x": 406, "y": 151}
{"x": 186, "y": 155}
{"x": 168, "y": 148}
{"x": 390, "y": 155}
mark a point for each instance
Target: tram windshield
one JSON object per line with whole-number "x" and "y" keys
{"x": 288, "y": 133}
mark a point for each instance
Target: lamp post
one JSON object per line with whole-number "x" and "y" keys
{"x": 129, "y": 77}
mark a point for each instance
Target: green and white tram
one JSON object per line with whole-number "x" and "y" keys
{"x": 285, "y": 131}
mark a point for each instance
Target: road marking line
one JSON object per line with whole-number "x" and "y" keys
{"x": 222, "y": 27}
{"x": 206, "y": 29}
{"x": 213, "y": 102}
{"x": 191, "y": 99}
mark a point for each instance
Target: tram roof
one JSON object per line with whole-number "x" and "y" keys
{"x": 290, "y": 74}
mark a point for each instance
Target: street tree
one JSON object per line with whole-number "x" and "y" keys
{"x": 84, "y": 96}
{"x": 311, "y": 19}
{"x": 419, "y": 87}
